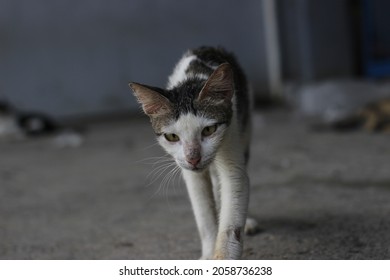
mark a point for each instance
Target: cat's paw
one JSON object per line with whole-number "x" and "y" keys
{"x": 251, "y": 226}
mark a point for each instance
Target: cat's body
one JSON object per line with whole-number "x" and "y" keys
{"x": 373, "y": 117}
{"x": 15, "y": 123}
{"x": 202, "y": 119}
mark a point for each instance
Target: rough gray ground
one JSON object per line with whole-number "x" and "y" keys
{"x": 316, "y": 195}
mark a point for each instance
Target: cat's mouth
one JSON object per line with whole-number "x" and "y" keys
{"x": 193, "y": 168}
{"x": 196, "y": 168}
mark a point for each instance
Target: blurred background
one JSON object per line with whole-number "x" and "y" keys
{"x": 102, "y": 188}
{"x": 72, "y": 58}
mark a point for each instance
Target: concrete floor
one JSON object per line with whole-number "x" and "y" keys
{"x": 316, "y": 195}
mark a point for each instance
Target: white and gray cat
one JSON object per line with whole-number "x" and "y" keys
{"x": 202, "y": 119}
{"x": 14, "y": 123}
{"x": 17, "y": 125}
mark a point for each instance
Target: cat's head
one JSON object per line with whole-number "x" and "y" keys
{"x": 191, "y": 119}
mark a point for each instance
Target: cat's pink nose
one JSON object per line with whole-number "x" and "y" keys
{"x": 193, "y": 161}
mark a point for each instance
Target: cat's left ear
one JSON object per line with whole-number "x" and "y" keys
{"x": 220, "y": 85}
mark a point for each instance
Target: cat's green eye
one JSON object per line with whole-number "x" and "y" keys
{"x": 208, "y": 130}
{"x": 171, "y": 137}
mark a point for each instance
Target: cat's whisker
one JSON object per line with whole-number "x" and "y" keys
{"x": 154, "y": 160}
{"x": 167, "y": 182}
{"x": 177, "y": 177}
{"x": 167, "y": 179}
{"x": 163, "y": 172}
{"x": 162, "y": 163}
{"x": 158, "y": 171}
{"x": 148, "y": 147}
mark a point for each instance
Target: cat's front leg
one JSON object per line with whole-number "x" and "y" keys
{"x": 201, "y": 195}
{"x": 233, "y": 212}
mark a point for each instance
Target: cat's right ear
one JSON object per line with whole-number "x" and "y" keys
{"x": 153, "y": 103}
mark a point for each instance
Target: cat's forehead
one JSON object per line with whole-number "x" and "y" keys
{"x": 183, "y": 96}
{"x": 184, "y": 99}
{"x": 192, "y": 115}
{"x": 186, "y": 110}
{"x": 188, "y": 122}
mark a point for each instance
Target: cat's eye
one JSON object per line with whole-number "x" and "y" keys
{"x": 171, "y": 137}
{"x": 208, "y": 130}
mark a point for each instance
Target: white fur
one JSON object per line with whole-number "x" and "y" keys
{"x": 179, "y": 74}
{"x": 8, "y": 127}
{"x": 219, "y": 191}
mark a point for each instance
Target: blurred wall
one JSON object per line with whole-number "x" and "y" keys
{"x": 76, "y": 57}
{"x": 319, "y": 39}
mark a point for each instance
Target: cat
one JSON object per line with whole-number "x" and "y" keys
{"x": 373, "y": 117}
{"x": 202, "y": 119}
{"x": 15, "y": 124}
